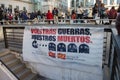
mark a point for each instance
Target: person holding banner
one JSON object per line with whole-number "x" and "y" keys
{"x": 49, "y": 17}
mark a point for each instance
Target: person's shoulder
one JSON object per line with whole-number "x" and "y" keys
{"x": 118, "y": 15}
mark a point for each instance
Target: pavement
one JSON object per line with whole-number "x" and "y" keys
{"x": 106, "y": 73}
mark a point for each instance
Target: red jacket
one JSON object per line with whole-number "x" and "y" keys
{"x": 112, "y": 14}
{"x": 49, "y": 15}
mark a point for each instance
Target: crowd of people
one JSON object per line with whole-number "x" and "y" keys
{"x": 8, "y": 17}
{"x": 96, "y": 12}
{"x": 55, "y": 15}
{"x": 18, "y": 15}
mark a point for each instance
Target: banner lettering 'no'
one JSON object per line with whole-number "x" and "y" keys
{"x": 64, "y": 44}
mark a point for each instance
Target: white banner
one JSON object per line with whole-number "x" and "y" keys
{"x": 63, "y": 46}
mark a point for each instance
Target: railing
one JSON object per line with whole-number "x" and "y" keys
{"x": 114, "y": 57}
{"x": 2, "y": 63}
{"x": 106, "y": 47}
{"x": 57, "y": 21}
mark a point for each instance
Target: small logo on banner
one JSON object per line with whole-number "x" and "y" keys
{"x": 35, "y": 44}
{"x": 61, "y": 56}
{"x": 51, "y": 54}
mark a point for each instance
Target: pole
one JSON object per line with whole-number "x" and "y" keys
{"x": 75, "y": 5}
{"x": 84, "y": 2}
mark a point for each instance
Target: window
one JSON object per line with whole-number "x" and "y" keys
{"x": 105, "y": 1}
{"x": 118, "y": 2}
{"x": 17, "y": 7}
{"x": 81, "y": 4}
{"x": 86, "y": 3}
{"x": 24, "y": 8}
{"x": 111, "y": 2}
{"x": 72, "y": 3}
{"x": 77, "y": 3}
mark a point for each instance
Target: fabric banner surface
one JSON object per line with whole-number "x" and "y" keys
{"x": 63, "y": 46}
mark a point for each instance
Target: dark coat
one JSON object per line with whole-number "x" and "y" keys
{"x": 1, "y": 14}
{"x": 118, "y": 24}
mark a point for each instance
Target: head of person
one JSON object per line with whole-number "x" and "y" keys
{"x": 79, "y": 6}
{"x": 48, "y": 11}
{"x": 102, "y": 5}
{"x": 96, "y": 5}
{"x": 113, "y": 7}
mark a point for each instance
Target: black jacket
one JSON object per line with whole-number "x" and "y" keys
{"x": 1, "y": 14}
{"x": 118, "y": 24}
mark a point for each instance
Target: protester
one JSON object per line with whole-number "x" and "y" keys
{"x": 102, "y": 12}
{"x": 95, "y": 12}
{"x": 73, "y": 17}
{"x": 49, "y": 17}
{"x": 118, "y": 24}
{"x": 1, "y": 16}
{"x": 118, "y": 10}
{"x": 112, "y": 14}
{"x": 55, "y": 14}
{"x": 79, "y": 14}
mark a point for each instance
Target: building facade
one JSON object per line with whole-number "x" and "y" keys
{"x": 63, "y": 5}
{"x": 88, "y": 3}
{"x": 45, "y": 5}
{"x": 19, "y": 4}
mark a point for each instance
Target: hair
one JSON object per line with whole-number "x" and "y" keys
{"x": 102, "y": 5}
{"x": 48, "y": 10}
{"x": 113, "y": 7}
{"x": 79, "y": 6}
{"x": 96, "y": 4}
